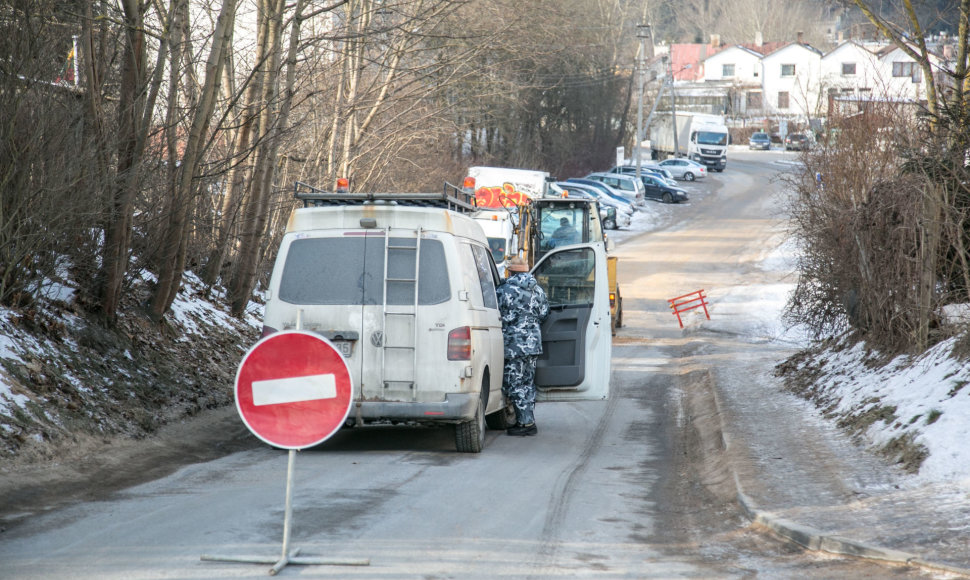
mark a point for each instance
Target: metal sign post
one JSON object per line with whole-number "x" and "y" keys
{"x": 293, "y": 390}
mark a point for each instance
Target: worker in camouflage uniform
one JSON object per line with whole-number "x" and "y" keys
{"x": 523, "y": 306}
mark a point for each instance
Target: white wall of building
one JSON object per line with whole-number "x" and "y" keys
{"x": 735, "y": 64}
{"x": 792, "y": 82}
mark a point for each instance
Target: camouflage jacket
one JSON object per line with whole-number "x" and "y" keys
{"x": 523, "y": 305}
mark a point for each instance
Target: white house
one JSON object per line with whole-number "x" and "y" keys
{"x": 791, "y": 81}
{"x": 850, "y": 70}
{"x": 738, "y": 71}
{"x": 735, "y": 64}
{"x": 901, "y": 76}
{"x": 798, "y": 82}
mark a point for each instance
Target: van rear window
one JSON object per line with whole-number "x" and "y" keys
{"x": 350, "y": 270}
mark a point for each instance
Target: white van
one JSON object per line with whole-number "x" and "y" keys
{"x": 500, "y": 230}
{"x": 347, "y": 268}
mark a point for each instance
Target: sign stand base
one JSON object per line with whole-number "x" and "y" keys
{"x": 288, "y": 556}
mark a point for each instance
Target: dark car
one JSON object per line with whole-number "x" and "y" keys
{"x": 797, "y": 142}
{"x": 656, "y": 188}
{"x": 760, "y": 141}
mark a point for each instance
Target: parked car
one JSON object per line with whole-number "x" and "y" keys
{"x": 626, "y": 185}
{"x": 649, "y": 169}
{"x": 656, "y": 187}
{"x": 684, "y": 168}
{"x": 797, "y": 142}
{"x": 667, "y": 175}
{"x": 616, "y": 216}
{"x": 759, "y": 141}
{"x": 604, "y": 191}
{"x": 623, "y": 210}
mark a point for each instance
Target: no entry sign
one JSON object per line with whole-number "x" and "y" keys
{"x": 293, "y": 389}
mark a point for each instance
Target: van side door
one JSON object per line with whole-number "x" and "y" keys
{"x": 575, "y": 363}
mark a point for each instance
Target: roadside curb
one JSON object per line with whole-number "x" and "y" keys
{"x": 816, "y": 540}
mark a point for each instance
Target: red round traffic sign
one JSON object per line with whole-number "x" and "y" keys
{"x": 293, "y": 389}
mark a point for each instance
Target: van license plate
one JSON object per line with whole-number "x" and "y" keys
{"x": 345, "y": 347}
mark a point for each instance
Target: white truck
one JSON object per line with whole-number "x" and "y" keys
{"x": 499, "y": 192}
{"x": 700, "y": 137}
{"x": 498, "y": 187}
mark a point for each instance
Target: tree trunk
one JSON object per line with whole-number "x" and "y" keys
{"x": 131, "y": 134}
{"x": 257, "y": 207}
{"x": 929, "y": 254}
{"x": 241, "y": 170}
{"x": 173, "y": 245}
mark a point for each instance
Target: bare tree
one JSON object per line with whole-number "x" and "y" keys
{"x": 132, "y": 134}
{"x": 256, "y": 208}
{"x": 175, "y": 238}
{"x": 742, "y": 21}
{"x": 45, "y": 154}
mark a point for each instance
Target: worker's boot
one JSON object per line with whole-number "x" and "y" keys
{"x": 523, "y": 430}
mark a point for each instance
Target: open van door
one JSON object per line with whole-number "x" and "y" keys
{"x": 575, "y": 363}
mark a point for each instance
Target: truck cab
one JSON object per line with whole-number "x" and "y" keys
{"x": 565, "y": 221}
{"x": 709, "y": 140}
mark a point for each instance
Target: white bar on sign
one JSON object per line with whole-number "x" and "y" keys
{"x": 294, "y": 390}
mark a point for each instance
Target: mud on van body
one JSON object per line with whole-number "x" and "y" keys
{"x": 349, "y": 272}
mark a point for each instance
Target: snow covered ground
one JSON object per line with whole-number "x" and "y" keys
{"x": 925, "y": 398}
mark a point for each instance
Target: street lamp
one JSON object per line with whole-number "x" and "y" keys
{"x": 643, "y": 33}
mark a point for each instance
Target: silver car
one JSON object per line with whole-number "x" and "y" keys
{"x": 626, "y": 186}
{"x": 684, "y": 168}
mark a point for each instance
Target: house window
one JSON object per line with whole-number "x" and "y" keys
{"x": 783, "y": 100}
{"x": 907, "y": 69}
{"x": 727, "y": 70}
{"x": 787, "y": 70}
{"x": 753, "y": 100}
{"x": 848, "y": 69}
{"x": 903, "y": 69}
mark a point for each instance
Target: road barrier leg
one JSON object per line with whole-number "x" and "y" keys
{"x": 287, "y": 556}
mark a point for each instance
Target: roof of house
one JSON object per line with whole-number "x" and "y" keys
{"x": 686, "y": 59}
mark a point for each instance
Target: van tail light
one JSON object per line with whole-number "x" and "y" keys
{"x": 267, "y": 330}
{"x": 612, "y": 299}
{"x": 460, "y": 344}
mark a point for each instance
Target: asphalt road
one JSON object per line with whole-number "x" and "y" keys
{"x": 638, "y": 486}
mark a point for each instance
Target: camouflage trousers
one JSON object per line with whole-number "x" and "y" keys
{"x": 519, "y": 386}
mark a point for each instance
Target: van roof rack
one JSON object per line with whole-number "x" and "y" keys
{"x": 453, "y": 198}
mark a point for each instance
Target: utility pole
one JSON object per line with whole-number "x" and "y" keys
{"x": 673, "y": 106}
{"x": 643, "y": 33}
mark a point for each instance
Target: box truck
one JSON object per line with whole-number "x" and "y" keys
{"x": 700, "y": 137}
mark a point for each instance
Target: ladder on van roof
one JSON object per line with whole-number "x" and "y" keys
{"x": 400, "y": 328}
{"x": 453, "y": 198}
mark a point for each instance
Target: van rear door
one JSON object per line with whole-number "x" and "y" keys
{"x": 575, "y": 363}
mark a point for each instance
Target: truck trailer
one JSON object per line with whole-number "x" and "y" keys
{"x": 700, "y": 137}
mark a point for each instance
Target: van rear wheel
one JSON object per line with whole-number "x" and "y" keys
{"x": 470, "y": 435}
